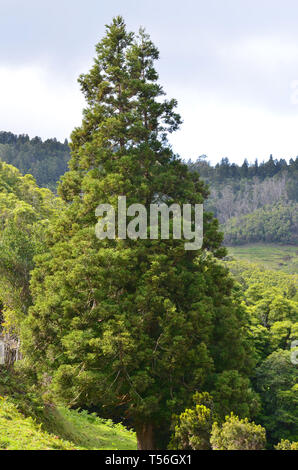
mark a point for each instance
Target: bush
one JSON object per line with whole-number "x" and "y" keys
{"x": 237, "y": 434}
{"x": 284, "y": 444}
{"x": 192, "y": 429}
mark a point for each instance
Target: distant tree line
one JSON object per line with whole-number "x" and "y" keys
{"x": 45, "y": 160}
{"x": 225, "y": 170}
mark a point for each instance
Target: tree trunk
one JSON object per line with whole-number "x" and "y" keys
{"x": 145, "y": 437}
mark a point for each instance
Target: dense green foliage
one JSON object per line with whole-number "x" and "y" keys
{"x": 271, "y": 223}
{"x": 256, "y": 203}
{"x": 271, "y": 300}
{"x": 24, "y": 213}
{"x": 202, "y": 428}
{"x": 192, "y": 429}
{"x": 46, "y": 161}
{"x": 276, "y": 381}
{"x": 237, "y": 434}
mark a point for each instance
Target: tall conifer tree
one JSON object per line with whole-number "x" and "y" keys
{"x": 134, "y": 325}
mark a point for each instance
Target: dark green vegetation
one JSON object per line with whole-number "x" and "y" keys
{"x": 25, "y": 210}
{"x": 271, "y": 301}
{"x": 188, "y": 349}
{"x": 271, "y": 223}
{"x": 254, "y": 203}
{"x": 46, "y": 161}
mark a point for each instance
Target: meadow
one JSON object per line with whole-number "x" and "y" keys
{"x": 271, "y": 256}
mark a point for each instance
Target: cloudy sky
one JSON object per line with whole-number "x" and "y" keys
{"x": 232, "y": 65}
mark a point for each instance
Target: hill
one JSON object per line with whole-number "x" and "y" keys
{"x": 76, "y": 430}
{"x": 272, "y": 223}
{"x": 45, "y": 160}
{"x": 253, "y": 203}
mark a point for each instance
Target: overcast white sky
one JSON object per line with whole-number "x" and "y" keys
{"x": 232, "y": 65}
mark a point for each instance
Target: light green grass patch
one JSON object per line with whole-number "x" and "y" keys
{"x": 91, "y": 432}
{"x": 271, "y": 256}
{"x": 66, "y": 430}
{"x": 20, "y": 433}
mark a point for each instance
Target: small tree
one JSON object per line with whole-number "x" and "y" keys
{"x": 192, "y": 429}
{"x": 276, "y": 383}
{"x": 285, "y": 444}
{"x": 237, "y": 434}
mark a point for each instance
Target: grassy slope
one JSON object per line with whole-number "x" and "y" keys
{"x": 90, "y": 432}
{"x": 276, "y": 257}
{"x": 70, "y": 430}
{"x": 20, "y": 433}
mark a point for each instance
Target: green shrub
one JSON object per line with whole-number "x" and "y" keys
{"x": 237, "y": 434}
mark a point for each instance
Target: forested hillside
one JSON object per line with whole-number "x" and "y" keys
{"x": 273, "y": 223}
{"x": 254, "y": 203}
{"x": 25, "y": 210}
{"x": 46, "y": 161}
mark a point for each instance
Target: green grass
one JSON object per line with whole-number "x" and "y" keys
{"x": 88, "y": 431}
{"x": 276, "y": 257}
{"x": 70, "y": 430}
{"x": 20, "y": 433}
